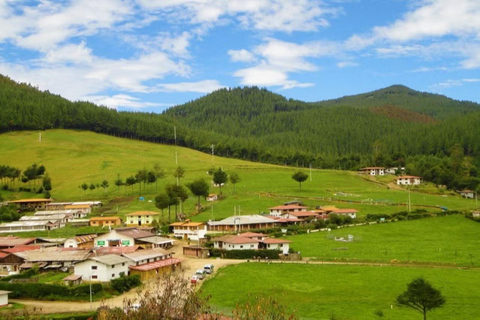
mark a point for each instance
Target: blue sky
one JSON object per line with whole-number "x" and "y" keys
{"x": 147, "y": 55}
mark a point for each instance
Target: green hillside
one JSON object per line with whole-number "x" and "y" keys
{"x": 75, "y": 157}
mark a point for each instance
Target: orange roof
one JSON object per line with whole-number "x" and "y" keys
{"x": 186, "y": 224}
{"x": 156, "y": 264}
{"x": 104, "y": 218}
{"x": 77, "y": 206}
{"x": 274, "y": 241}
{"x": 344, "y": 211}
{"x": 143, "y": 213}
{"x": 30, "y": 200}
{"x": 372, "y": 168}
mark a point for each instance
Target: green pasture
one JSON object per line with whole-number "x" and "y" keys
{"x": 74, "y": 157}
{"x": 341, "y": 291}
{"x": 439, "y": 240}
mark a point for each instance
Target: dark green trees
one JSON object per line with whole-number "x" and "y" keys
{"x": 421, "y": 296}
{"x": 199, "y": 188}
{"x": 300, "y": 177}
{"x": 219, "y": 178}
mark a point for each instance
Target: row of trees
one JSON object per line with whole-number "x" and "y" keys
{"x": 9, "y": 177}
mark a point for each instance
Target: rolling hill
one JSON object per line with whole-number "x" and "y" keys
{"x": 255, "y": 124}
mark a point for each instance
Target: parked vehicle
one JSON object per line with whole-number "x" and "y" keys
{"x": 194, "y": 279}
{"x": 208, "y": 268}
{"x": 201, "y": 274}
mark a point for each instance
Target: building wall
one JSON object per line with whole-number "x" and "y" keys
{"x": 3, "y": 299}
{"x": 102, "y": 272}
{"x": 283, "y": 247}
{"x": 145, "y": 220}
{"x": 110, "y": 239}
{"x": 192, "y": 233}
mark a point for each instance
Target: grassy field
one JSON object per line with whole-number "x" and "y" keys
{"x": 342, "y": 292}
{"x": 74, "y": 157}
{"x": 447, "y": 240}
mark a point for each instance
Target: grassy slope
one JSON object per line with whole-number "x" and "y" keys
{"x": 74, "y": 157}
{"x": 436, "y": 240}
{"x": 346, "y": 292}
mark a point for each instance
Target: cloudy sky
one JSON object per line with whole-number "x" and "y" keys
{"x": 151, "y": 54}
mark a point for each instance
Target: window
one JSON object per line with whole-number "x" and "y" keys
{"x": 113, "y": 275}
{"x": 113, "y": 266}
{"x": 241, "y": 247}
{"x": 123, "y": 264}
{"x": 94, "y": 276}
{"x": 94, "y": 267}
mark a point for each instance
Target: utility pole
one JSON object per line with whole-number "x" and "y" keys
{"x": 213, "y": 149}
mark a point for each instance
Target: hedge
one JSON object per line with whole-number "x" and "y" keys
{"x": 46, "y": 291}
{"x": 125, "y": 283}
{"x": 245, "y": 254}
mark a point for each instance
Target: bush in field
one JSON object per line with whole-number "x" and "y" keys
{"x": 125, "y": 283}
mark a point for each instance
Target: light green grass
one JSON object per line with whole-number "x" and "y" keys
{"x": 347, "y": 292}
{"x": 448, "y": 240}
{"x": 74, "y": 157}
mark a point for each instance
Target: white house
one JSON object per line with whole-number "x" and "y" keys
{"x": 238, "y": 223}
{"x": 24, "y": 226}
{"x": 352, "y": 213}
{"x": 277, "y": 244}
{"x": 103, "y": 268}
{"x": 250, "y": 241}
{"x": 4, "y": 297}
{"x": 409, "y": 180}
{"x": 372, "y": 171}
{"x": 212, "y": 197}
{"x": 189, "y": 230}
{"x": 146, "y": 256}
{"x": 469, "y": 194}
{"x": 121, "y": 237}
{"x": 232, "y": 242}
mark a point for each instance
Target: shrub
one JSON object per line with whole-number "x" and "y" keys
{"x": 125, "y": 283}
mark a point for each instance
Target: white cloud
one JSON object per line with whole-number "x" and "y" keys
{"x": 70, "y": 53}
{"x": 204, "y": 86}
{"x": 276, "y": 59}
{"x": 427, "y": 69}
{"x": 270, "y": 15}
{"x": 346, "y": 64}
{"x": 122, "y": 100}
{"x": 455, "y": 83}
{"x": 435, "y": 18}
{"x": 50, "y": 23}
{"x": 241, "y": 55}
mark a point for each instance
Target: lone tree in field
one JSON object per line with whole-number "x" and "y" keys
{"x": 300, "y": 177}
{"x": 199, "y": 188}
{"x": 219, "y": 178}
{"x": 421, "y": 296}
{"x": 234, "y": 179}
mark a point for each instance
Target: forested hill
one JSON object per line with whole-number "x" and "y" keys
{"x": 383, "y": 127}
{"x": 435, "y": 105}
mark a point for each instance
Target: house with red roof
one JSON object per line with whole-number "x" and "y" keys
{"x": 250, "y": 241}
{"x": 372, "y": 171}
{"x": 288, "y": 208}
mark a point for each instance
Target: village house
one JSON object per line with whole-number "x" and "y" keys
{"x": 55, "y": 206}
{"x": 372, "y": 171}
{"x": 122, "y": 237}
{"x": 141, "y": 218}
{"x": 54, "y": 258}
{"x": 83, "y": 242}
{"x": 61, "y": 219}
{"x": 83, "y": 208}
{"x": 24, "y": 226}
{"x": 212, "y": 197}
{"x": 409, "y": 180}
{"x": 189, "y": 230}
{"x": 31, "y": 204}
{"x": 153, "y": 269}
{"x": 103, "y": 268}
{"x": 303, "y": 216}
{"x": 153, "y": 242}
{"x": 13, "y": 241}
{"x": 251, "y": 241}
{"x": 281, "y": 210}
{"x": 352, "y": 213}
{"x": 105, "y": 221}
{"x": 239, "y": 223}
{"x": 146, "y": 256}
{"x": 73, "y": 214}
{"x": 469, "y": 194}
{"x": 9, "y": 264}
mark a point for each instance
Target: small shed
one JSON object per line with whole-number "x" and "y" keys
{"x": 73, "y": 280}
{"x": 196, "y": 252}
{"x": 4, "y": 298}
